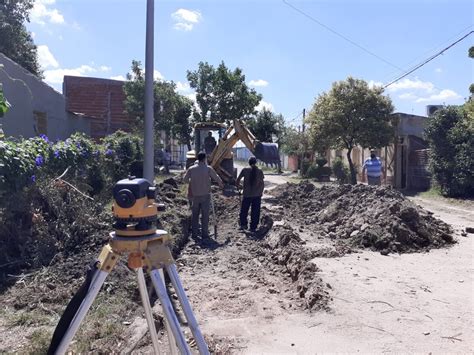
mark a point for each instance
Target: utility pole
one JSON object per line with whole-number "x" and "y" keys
{"x": 148, "y": 160}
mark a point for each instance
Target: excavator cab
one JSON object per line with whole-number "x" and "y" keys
{"x": 217, "y": 140}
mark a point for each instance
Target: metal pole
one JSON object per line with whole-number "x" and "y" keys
{"x": 188, "y": 312}
{"x": 148, "y": 311}
{"x": 94, "y": 288}
{"x": 169, "y": 313}
{"x": 148, "y": 163}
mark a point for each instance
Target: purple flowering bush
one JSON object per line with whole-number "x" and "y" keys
{"x": 47, "y": 215}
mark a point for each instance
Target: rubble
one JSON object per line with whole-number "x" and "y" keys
{"x": 361, "y": 216}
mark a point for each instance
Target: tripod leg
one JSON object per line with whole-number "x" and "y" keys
{"x": 188, "y": 312}
{"x": 169, "y": 312}
{"x": 147, "y": 307}
{"x": 94, "y": 289}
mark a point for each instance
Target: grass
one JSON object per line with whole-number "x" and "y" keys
{"x": 28, "y": 319}
{"x": 434, "y": 193}
{"x": 103, "y": 323}
{"x": 39, "y": 341}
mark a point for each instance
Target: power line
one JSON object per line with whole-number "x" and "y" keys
{"x": 341, "y": 36}
{"x": 426, "y": 61}
{"x": 439, "y": 46}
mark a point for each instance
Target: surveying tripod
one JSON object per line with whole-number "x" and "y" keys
{"x": 146, "y": 251}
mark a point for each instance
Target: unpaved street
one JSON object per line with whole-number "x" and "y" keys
{"x": 418, "y": 302}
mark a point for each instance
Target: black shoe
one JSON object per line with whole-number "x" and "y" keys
{"x": 253, "y": 230}
{"x": 242, "y": 228}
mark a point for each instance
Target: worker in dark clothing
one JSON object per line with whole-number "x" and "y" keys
{"x": 253, "y": 190}
{"x": 199, "y": 177}
{"x": 209, "y": 143}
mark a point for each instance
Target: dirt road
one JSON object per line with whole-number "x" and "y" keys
{"x": 420, "y": 302}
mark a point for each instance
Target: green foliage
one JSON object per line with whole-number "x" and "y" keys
{"x": 318, "y": 172}
{"x": 222, "y": 94}
{"x": 123, "y": 155}
{"x": 15, "y": 41}
{"x": 450, "y": 135}
{"x": 351, "y": 114}
{"x": 471, "y": 55}
{"x": 292, "y": 142}
{"x": 97, "y": 166}
{"x": 3, "y": 103}
{"x": 171, "y": 112}
{"x": 341, "y": 171}
{"x": 266, "y": 124}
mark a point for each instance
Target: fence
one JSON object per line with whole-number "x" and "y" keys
{"x": 418, "y": 175}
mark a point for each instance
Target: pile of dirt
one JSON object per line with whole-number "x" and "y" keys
{"x": 377, "y": 218}
{"x": 287, "y": 249}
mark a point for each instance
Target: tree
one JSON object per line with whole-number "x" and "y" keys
{"x": 450, "y": 135}
{"x": 351, "y": 114}
{"x": 266, "y": 124}
{"x": 471, "y": 55}
{"x": 15, "y": 41}
{"x": 171, "y": 110}
{"x": 222, "y": 94}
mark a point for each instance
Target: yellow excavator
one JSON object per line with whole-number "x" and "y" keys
{"x": 220, "y": 155}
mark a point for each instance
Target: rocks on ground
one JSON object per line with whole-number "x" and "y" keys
{"x": 377, "y": 218}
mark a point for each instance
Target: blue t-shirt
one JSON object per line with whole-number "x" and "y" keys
{"x": 374, "y": 167}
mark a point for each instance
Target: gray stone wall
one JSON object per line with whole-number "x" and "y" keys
{"x": 27, "y": 94}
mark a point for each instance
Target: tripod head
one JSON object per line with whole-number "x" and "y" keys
{"x": 135, "y": 210}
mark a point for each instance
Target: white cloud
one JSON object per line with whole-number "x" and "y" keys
{"x": 46, "y": 58}
{"x": 56, "y": 76}
{"x": 408, "y": 96}
{"x": 409, "y": 84}
{"x": 187, "y": 15}
{"x": 157, "y": 75}
{"x": 264, "y": 104}
{"x": 33, "y": 35}
{"x": 182, "y": 87}
{"x": 186, "y": 19}
{"x": 118, "y": 77}
{"x": 443, "y": 95}
{"x": 259, "y": 82}
{"x": 105, "y": 68}
{"x": 192, "y": 97}
{"x": 181, "y": 26}
{"x": 438, "y": 70}
{"x": 373, "y": 83}
{"x": 42, "y": 13}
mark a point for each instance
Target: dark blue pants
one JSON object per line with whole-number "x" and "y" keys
{"x": 248, "y": 202}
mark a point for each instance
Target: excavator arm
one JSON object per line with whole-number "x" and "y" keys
{"x": 266, "y": 152}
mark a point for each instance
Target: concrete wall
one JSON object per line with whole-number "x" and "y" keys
{"x": 31, "y": 98}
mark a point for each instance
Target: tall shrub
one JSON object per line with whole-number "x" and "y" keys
{"x": 450, "y": 134}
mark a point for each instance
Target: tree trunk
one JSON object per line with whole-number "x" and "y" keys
{"x": 351, "y": 167}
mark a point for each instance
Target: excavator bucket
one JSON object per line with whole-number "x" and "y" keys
{"x": 267, "y": 152}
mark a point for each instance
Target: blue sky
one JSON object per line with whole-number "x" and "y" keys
{"x": 285, "y": 56}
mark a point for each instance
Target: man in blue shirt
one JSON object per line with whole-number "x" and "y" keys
{"x": 374, "y": 169}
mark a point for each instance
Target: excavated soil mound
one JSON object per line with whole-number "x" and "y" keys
{"x": 377, "y": 218}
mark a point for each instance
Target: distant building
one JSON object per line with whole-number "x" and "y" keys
{"x": 405, "y": 161}
{"x": 101, "y": 100}
{"x": 36, "y": 108}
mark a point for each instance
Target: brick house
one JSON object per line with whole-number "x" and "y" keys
{"x": 100, "y": 100}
